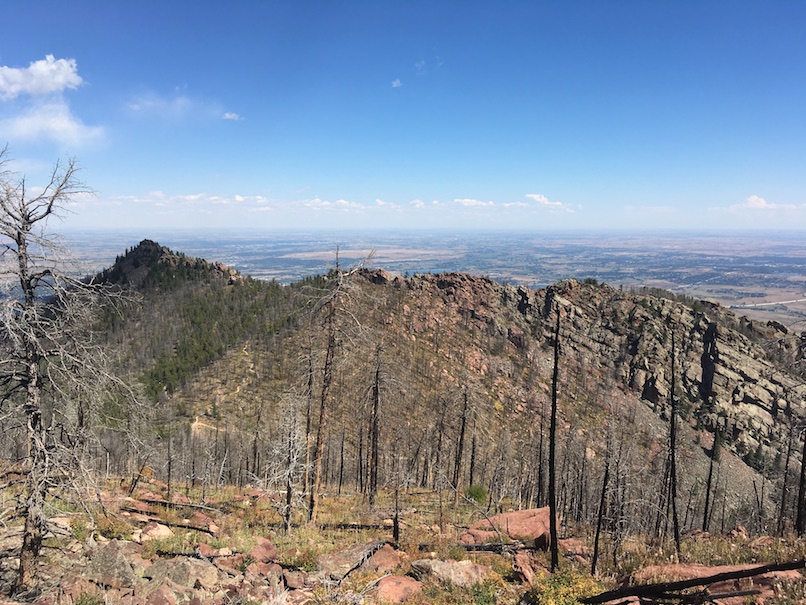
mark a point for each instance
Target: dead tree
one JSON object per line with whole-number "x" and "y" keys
{"x": 374, "y": 429}
{"x": 52, "y": 374}
{"x": 673, "y": 452}
{"x": 555, "y": 556}
{"x": 332, "y": 304}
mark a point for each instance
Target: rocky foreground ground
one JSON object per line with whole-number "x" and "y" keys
{"x": 150, "y": 551}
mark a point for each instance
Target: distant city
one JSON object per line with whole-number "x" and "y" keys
{"x": 760, "y": 274}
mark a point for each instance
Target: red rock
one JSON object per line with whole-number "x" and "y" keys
{"x": 262, "y": 569}
{"x": 398, "y": 589}
{"x": 523, "y": 567}
{"x": 458, "y": 573}
{"x": 180, "y": 498}
{"x": 205, "y": 550}
{"x": 766, "y": 583}
{"x": 383, "y": 561}
{"x": 233, "y": 564}
{"x": 530, "y": 525}
{"x": 136, "y": 504}
{"x": 295, "y": 580}
{"x": 263, "y": 551}
{"x": 574, "y": 546}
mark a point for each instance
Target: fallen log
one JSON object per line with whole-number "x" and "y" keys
{"x": 152, "y": 519}
{"x": 354, "y": 526}
{"x": 496, "y": 547}
{"x": 168, "y": 504}
{"x": 670, "y": 590}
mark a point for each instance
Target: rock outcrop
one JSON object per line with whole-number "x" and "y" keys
{"x": 733, "y": 375}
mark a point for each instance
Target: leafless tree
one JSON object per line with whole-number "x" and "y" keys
{"x": 52, "y": 373}
{"x": 334, "y": 306}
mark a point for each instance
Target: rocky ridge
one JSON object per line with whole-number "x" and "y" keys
{"x": 751, "y": 394}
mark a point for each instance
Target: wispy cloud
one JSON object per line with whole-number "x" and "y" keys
{"x": 53, "y": 121}
{"x": 174, "y": 106}
{"x": 178, "y": 105}
{"x": 396, "y": 83}
{"x": 340, "y": 205}
{"x": 43, "y": 77}
{"x": 757, "y": 203}
{"x": 545, "y": 202}
{"x": 471, "y": 203}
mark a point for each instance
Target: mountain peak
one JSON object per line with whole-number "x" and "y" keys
{"x": 149, "y": 265}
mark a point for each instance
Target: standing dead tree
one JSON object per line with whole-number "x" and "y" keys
{"x": 53, "y": 377}
{"x": 333, "y": 306}
{"x": 555, "y": 557}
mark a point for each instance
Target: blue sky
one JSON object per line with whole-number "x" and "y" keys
{"x": 496, "y": 115}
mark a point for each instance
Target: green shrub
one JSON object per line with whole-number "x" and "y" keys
{"x": 477, "y": 493}
{"x": 565, "y": 587}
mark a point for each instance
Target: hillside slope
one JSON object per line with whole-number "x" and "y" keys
{"x": 447, "y": 377}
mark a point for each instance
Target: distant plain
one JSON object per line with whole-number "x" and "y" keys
{"x": 762, "y": 275}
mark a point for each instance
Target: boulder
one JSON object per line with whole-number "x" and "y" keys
{"x": 457, "y": 573}
{"x": 531, "y": 525}
{"x": 337, "y": 565}
{"x": 156, "y": 531}
{"x": 186, "y": 572}
{"x": 110, "y": 566}
{"x": 263, "y": 551}
{"x": 383, "y": 561}
{"x": 397, "y": 589}
{"x": 767, "y": 583}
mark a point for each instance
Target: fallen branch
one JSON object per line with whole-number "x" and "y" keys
{"x": 497, "y": 547}
{"x": 662, "y": 590}
{"x": 370, "y": 550}
{"x": 354, "y": 526}
{"x": 152, "y": 519}
{"x": 168, "y": 504}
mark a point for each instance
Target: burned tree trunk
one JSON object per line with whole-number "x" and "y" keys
{"x": 555, "y": 556}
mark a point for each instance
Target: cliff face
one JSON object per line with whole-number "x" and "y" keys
{"x": 732, "y": 375}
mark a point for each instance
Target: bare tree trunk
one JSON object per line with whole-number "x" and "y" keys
{"x": 785, "y": 486}
{"x": 36, "y": 485}
{"x": 555, "y": 557}
{"x": 600, "y": 515}
{"x": 308, "y": 418}
{"x": 457, "y": 467}
{"x": 673, "y": 453}
{"x": 375, "y": 431}
{"x": 324, "y": 409}
{"x": 800, "y": 519}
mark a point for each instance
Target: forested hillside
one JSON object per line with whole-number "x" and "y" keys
{"x": 443, "y": 381}
{"x": 266, "y": 408}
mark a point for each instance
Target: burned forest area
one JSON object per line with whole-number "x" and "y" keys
{"x": 362, "y": 436}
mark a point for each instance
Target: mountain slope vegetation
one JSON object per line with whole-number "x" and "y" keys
{"x": 442, "y": 381}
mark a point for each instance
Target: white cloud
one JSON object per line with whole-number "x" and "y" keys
{"x": 543, "y": 201}
{"x": 755, "y": 202}
{"x": 46, "y": 76}
{"x": 396, "y": 83}
{"x": 229, "y": 115}
{"x": 470, "y": 203}
{"x": 341, "y": 205}
{"x": 515, "y": 205}
{"x": 417, "y": 203}
{"x": 52, "y": 121}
